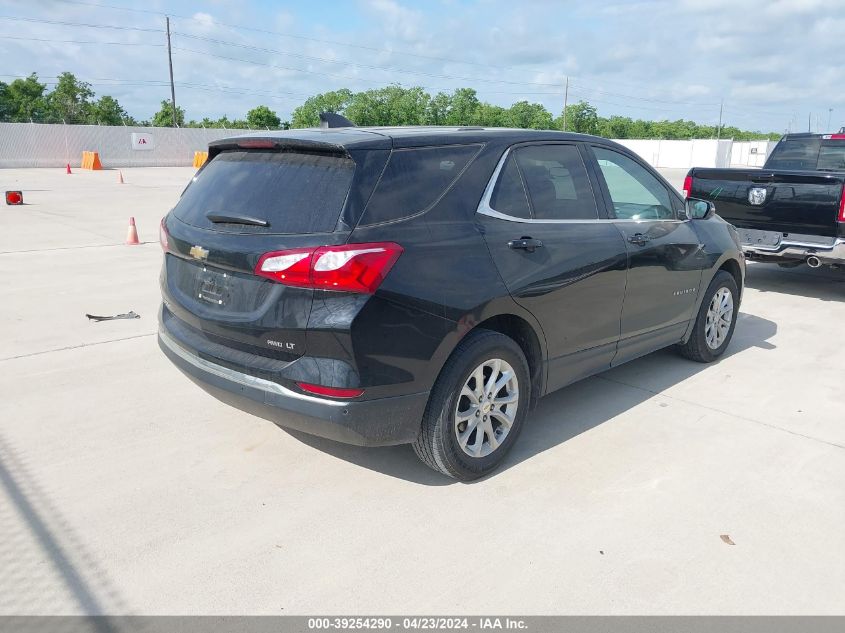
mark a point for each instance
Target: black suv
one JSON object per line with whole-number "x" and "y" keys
{"x": 428, "y": 285}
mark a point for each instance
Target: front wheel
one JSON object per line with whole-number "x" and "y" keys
{"x": 716, "y": 320}
{"x": 477, "y": 407}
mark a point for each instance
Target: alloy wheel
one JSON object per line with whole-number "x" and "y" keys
{"x": 486, "y": 408}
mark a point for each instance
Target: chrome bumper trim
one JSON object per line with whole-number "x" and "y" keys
{"x": 239, "y": 377}
{"x": 827, "y": 253}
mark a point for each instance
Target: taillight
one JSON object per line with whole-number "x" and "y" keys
{"x": 841, "y": 217}
{"x": 162, "y": 236}
{"x": 348, "y": 268}
{"x": 687, "y": 186}
{"x": 331, "y": 392}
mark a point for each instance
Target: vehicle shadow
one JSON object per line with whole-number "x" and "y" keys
{"x": 816, "y": 283}
{"x": 564, "y": 414}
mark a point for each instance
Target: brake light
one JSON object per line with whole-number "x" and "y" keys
{"x": 841, "y": 217}
{"x": 162, "y": 236}
{"x": 257, "y": 144}
{"x": 687, "y": 186}
{"x": 331, "y": 392}
{"x": 348, "y": 268}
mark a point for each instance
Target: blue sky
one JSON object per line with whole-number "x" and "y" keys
{"x": 772, "y": 62}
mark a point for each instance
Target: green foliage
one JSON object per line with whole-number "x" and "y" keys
{"x": 164, "y": 117}
{"x": 107, "y": 111}
{"x": 580, "y": 117}
{"x": 308, "y": 114}
{"x": 25, "y": 99}
{"x": 263, "y": 117}
{"x": 73, "y": 101}
{"x": 70, "y": 100}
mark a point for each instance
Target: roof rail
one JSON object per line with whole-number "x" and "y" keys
{"x": 330, "y": 119}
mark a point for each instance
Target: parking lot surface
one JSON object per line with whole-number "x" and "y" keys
{"x": 662, "y": 486}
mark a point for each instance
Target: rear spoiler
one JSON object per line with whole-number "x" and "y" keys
{"x": 280, "y": 144}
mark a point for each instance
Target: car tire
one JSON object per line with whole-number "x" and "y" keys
{"x": 465, "y": 434}
{"x": 711, "y": 334}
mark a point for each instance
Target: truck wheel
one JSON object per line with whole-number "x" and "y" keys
{"x": 716, "y": 320}
{"x": 477, "y": 407}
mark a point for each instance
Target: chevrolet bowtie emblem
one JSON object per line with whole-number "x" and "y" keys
{"x": 198, "y": 252}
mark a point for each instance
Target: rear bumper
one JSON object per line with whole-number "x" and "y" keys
{"x": 379, "y": 422}
{"x": 832, "y": 252}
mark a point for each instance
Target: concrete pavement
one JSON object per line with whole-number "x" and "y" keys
{"x": 124, "y": 488}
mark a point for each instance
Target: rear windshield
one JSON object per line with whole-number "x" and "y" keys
{"x": 294, "y": 193}
{"x": 808, "y": 154}
{"x": 414, "y": 179}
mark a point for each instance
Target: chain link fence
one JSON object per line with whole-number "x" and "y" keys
{"x": 55, "y": 145}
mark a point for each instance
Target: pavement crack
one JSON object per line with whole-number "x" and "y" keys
{"x": 723, "y": 412}
{"x": 62, "y": 349}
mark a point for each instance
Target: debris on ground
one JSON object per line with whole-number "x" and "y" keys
{"x": 128, "y": 315}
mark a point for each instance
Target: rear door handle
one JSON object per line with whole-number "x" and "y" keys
{"x": 526, "y": 243}
{"x": 639, "y": 239}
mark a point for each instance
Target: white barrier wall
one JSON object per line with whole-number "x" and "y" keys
{"x": 44, "y": 145}
{"x": 751, "y": 153}
{"x": 681, "y": 154}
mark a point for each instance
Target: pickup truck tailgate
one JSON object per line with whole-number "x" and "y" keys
{"x": 785, "y": 201}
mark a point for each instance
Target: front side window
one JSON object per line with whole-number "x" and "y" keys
{"x": 635, "y": 192}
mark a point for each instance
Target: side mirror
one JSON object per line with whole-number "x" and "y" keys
{"x": 697, "y": 209}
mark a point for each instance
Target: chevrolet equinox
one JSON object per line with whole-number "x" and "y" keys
{"x": 428, "y": 285}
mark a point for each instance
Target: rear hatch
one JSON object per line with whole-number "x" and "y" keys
{"x": 245, "y": 202}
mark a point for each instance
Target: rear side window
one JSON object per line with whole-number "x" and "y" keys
{"x": 509, "y": 195}
{"x": 557, "y": 182}
{"x": 295, "y": 193}
{"x": 415, "y": 179}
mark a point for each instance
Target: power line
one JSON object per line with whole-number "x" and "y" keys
{"x": 37, "y": 39}
{"x": 83, "y": 24}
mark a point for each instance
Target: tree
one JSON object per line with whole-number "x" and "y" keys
{"x": 107, "y": 111}
{"x": 262, "y": 117}
{"x": 164, "y": 117}
{"x": 464, "y": 107}
{"x": 25, "y": 99}
{"x": 529, "y": 115}
{"x": 308, "y": 114}
{"x": 70, "y": 100}
{"x": 580, "y": 117}
{"x": 5, "y": 103}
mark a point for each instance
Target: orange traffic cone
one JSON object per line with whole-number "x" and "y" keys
{"x": 68, "y": 169}
{"x": 132, "y": 233}
{"x": 120, "y": 174}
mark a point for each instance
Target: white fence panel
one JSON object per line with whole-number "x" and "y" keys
{"x": 43, "y": 145}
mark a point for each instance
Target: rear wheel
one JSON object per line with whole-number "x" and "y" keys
{"x": 477, "y": 407}
{"x": 716, "y": 320}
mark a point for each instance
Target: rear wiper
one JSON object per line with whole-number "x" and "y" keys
{"x": 235, "y": 218}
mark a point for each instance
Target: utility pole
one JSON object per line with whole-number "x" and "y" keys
{"x": 809, "y": 124}
{"x": 170, "y": 63}
{"x": 719, "y": 129}
{"x": 565, "y": 99}
{"x": 829, "y": 115}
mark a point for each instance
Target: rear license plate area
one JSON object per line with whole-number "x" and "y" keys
{"x": 764, "y": 239}
{"x": 214, "y": 287}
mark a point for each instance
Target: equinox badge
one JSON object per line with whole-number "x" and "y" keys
{"x": 198, "y": 252}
